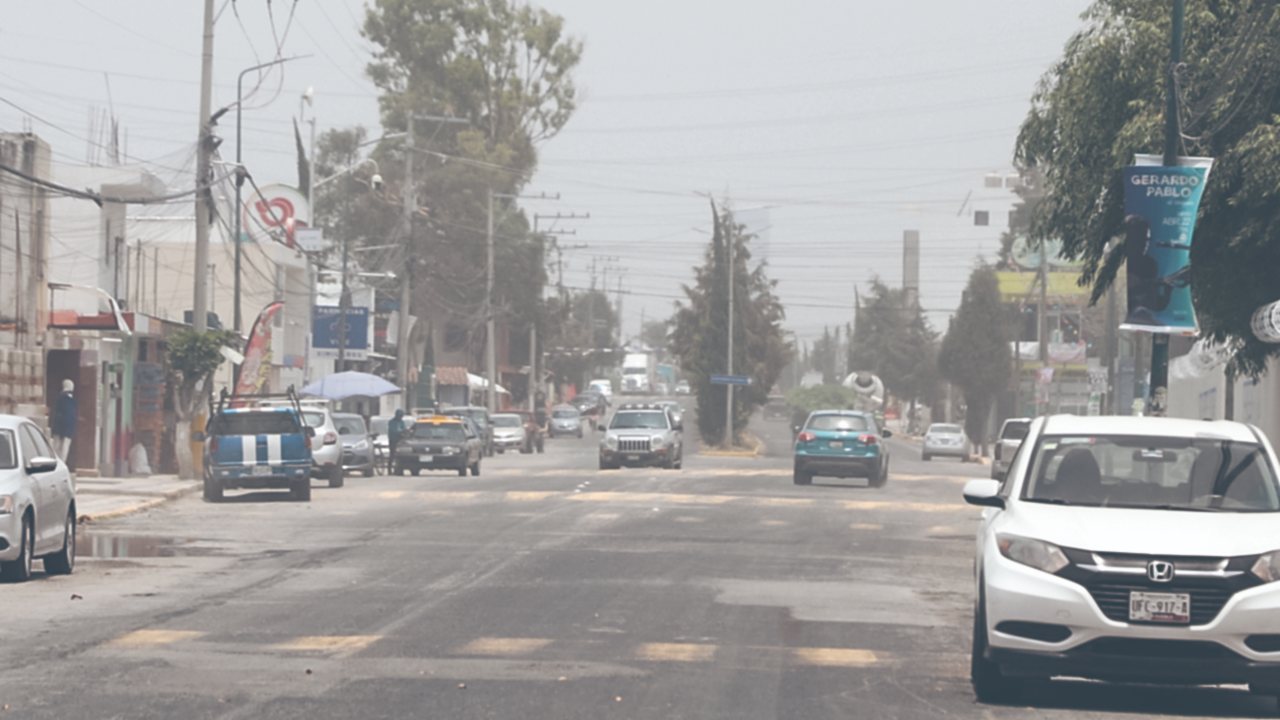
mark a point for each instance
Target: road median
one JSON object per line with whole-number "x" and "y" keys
{"x": 754, "y": 447}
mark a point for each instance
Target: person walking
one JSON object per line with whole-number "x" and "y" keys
{"x": 395, "y": 430}
{"x": 65, "y": 414}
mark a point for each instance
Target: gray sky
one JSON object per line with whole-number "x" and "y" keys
{"x": 850, "y": 122}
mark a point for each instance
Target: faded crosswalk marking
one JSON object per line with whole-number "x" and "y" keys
{"x": 328, "y": 643}
{"x": 675, "y": 652}
{"x": 833, "y": 657}
{"x": 503, "y": 646}
{"x": 153, "y": 638}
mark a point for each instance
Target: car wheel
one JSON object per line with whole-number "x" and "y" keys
{"x": 63, "y": 562}
{"x": 990, "y": 685}
{"x": 368, "y": 472}
{"x": 607, "y": 466}
{"x": 801, "y": 477}
{"x": 679, "y": 464}
{"x": 416, "y": 472}
{"x": 20, "y": 570}
{"x": 881, "y": 475}
{"x": 336, "y": 478}
{"x": 579, "y": 434}
{"x": 301, "y": 490}
{"x": 475, "y": 469}
{"x": 212, "y": 489}
{"x": 925, "y": 457}
{"x": 462, "y": 471}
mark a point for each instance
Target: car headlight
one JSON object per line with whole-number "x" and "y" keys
{"x": 362, "y": 445}
{"x": 1267, "y": 567}
{"x": 6, "y": 504}
{"x": 1038, "y": 554}
{"x": 658, "y": 440}
{"x": 449, "y": 451}
{"x": 611, "y": 441}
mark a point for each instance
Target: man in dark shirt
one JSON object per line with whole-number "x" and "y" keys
{"x": 64, "y": 420}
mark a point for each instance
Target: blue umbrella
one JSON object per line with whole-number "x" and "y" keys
{"x": 343, "y": 385}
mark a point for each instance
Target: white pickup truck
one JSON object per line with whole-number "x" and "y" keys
{"x": 1012, "y": 433}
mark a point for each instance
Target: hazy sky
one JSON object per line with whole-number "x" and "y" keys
{"x": 849, "y": 122}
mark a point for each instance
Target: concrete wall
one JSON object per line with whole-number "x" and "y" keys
{"x": 1256, "y": 401}
{"x": 24, "y": 253}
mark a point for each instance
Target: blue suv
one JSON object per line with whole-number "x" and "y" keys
{"x": 248, "y": 446}
{"x": 841, "y": 443}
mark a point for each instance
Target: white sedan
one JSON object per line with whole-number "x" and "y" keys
{"x": 37, "y": 503}
{"x": 1129, "y": 549}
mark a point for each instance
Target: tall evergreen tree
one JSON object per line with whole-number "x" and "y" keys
{"x": 975, "y": 353}
{"x": 892, "y": 338}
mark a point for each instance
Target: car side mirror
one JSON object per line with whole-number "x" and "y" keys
{"x": 600, "y": 427}
{"x": 39, "y": 465}
{"x": 983, "y": 493}
{"x": 886, "y": 433}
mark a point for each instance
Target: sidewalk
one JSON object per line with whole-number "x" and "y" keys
{"x": 103, "y": 498}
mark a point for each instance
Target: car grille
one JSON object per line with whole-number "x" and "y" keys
{"x": 1113, "y": 599}
{"x": 633, "y": 444}
{"x": 1170, "y": 649}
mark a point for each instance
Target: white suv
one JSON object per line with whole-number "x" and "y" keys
{"x": 1129, "y": 549}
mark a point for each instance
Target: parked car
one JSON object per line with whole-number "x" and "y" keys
{"x": 604, "y": 386}
{"x": 479, "y": 416}
{"x": 1129, "y": 549}
{"x": 673, "y": 407}
{"x": 565, "y": 420}
{"x": 1012, "y": 431}
{"x": 509, "y": 433}
{"x": 642, "y": 435}
{"x": 535, "y": 438}
{"x": 944, "y": 440}
{"x": 682, "y": 388}
{"x": 440, "y": 443}
{"x": 776, "y": 408}
{"x": 326, "y": 451}
{"x": 357, "y": 444}
{"x": 257, "y": 447}
{"x": 592, "y": 405}
{"x": 841, "y": 443}
{"x": 37, "y": 503}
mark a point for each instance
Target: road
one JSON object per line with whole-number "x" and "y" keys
{"x": 542, "y": 589}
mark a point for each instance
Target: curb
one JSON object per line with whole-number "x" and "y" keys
{"x": 139, "y": 507}
{"x": 756, "y": 450}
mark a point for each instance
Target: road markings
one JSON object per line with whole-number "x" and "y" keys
{"x": 833, "y": 657}
{"x": 866, "y": 526}
{"x": 774, "y": 523}
{"x": 153, "y": 638}
{"x": 328, "y": 643}
{"x": 781, "y": 502}
{"x": 675, "y": 652}
{"x": 689, "y": 519}
{"x": 915, "y": 506}
{"x": 391, "y": 494}
{"x": 502, "y": 646}
{"x": 531, "y": 495}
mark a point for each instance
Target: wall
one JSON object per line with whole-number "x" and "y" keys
{"x": 1256, "y": 401}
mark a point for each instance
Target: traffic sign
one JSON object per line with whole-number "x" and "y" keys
{"x": 730, "y": 380}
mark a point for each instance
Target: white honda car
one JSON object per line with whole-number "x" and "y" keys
{"x": 1130, "y": 549}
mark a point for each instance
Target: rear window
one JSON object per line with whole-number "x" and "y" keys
{"x": 565, "y": 414}
{"x": 263, "y": 423}
{"x": 949, "y": 429}
{"x": 429, "y": 431}
{"x": 313, "y": 419}
{"x": 506, "y": 421}
{"x": 349, "y": 425}
{"x": 855, "y": 423}
{"x": 1016, "y": 430}
{"x": 8, "y": 453}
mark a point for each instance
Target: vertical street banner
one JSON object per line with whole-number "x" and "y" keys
{"x": 257, "y": 353}
{"x": 1160, "y": 207}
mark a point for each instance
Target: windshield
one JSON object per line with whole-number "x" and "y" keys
{"x": 945, "y": 430}
{"x": 654, "y": 419}
{"x": 1152, "y": 472}
{"x": 565, "y": 414}
{"x": 429, "y": 431}
{"x": 1016, "y": 430}
{"x": 8, "y": 454}
{"x": 350, "y": 425}
{"x": 254, "y": 423}
{"x": 853, "y": 423}
{"x": 507, "y": 421}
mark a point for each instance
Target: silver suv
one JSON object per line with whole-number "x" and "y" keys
{"x": 642, "y": 435}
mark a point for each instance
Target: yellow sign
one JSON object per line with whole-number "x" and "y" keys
{"x": 1017, "y": 286}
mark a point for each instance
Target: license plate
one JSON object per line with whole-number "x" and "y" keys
{"x": 836, "y": 444}
{"x": 633, "y": 458}
{"x": 1172, "y": 608}
{"x": 261, "y": 470}
{"x": 426, "y": 458}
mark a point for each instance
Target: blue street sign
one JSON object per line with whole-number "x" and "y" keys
{"x": 730, "y": 380}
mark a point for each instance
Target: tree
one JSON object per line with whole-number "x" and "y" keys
{"x": 699, "y": 336}
{"x": 655, "y": 332}
{"x": 193, "y": 359}
{"x": 573, "y": 351}
{"x": 975, "y": 353}
{"x": 893, "y": 339}
{"x": 1104, "y": 101}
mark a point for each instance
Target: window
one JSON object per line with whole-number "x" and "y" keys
{"x": 451, "y": 432}
{"x": 8, "y": 453}
{"x": 255, "y": 423}
{"x": 507, "y": 421}
{"x": 1194, "y": 474}
{"x": 43, "y": 448}
{"x": 851, "y": 423}
{"x": 940, "y": 429}
{"x": 313, "y": 419}
{"x": 27, "y": 443}
{"x": 350, "y": 425}
{"x": 648, "y": 420}
{"x": 565, "y": 414}
{"x": 1016, "y": 430}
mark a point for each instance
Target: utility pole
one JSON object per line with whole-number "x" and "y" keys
{"x": 1172, "y": 135}
{"x": 409, "y": 196}
{"x": 1042, "y": 320}
{"x": 200, "y": 303}
{"x": 490, "y": 351}
{"x": 534, "y": 376}
{"x": 728, "y": 389}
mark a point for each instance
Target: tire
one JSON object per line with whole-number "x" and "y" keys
{"x": 800, "y": 477}
{"x": 881, "y": 476}
{"x": 212, "y": 489}
{"x": 679, "y": 463}
{"x": 20, "y": 570}
{"x": 416, "y": 472}
{"x": 579, "y": 433}
{"x": 336, "y": 477}
{"x": 607, "y": 466}
{"x": 990, "y": 685}
{"x": 368, "y": 472}
{"x": 925, "y": 457}
{"x": 301, "y": 490}
{"x": 63, "y": 562}
{"x": 475, "y": 469}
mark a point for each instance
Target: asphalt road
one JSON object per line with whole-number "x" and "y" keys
{"x": 542, "y": 589}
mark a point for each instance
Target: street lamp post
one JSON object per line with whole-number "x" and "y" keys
{"x": 240, "y": 172}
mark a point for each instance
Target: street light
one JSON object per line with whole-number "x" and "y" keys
{"x": 240, "y": 170}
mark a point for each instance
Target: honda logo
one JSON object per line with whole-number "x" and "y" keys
{"x": 1160, "y": 571}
